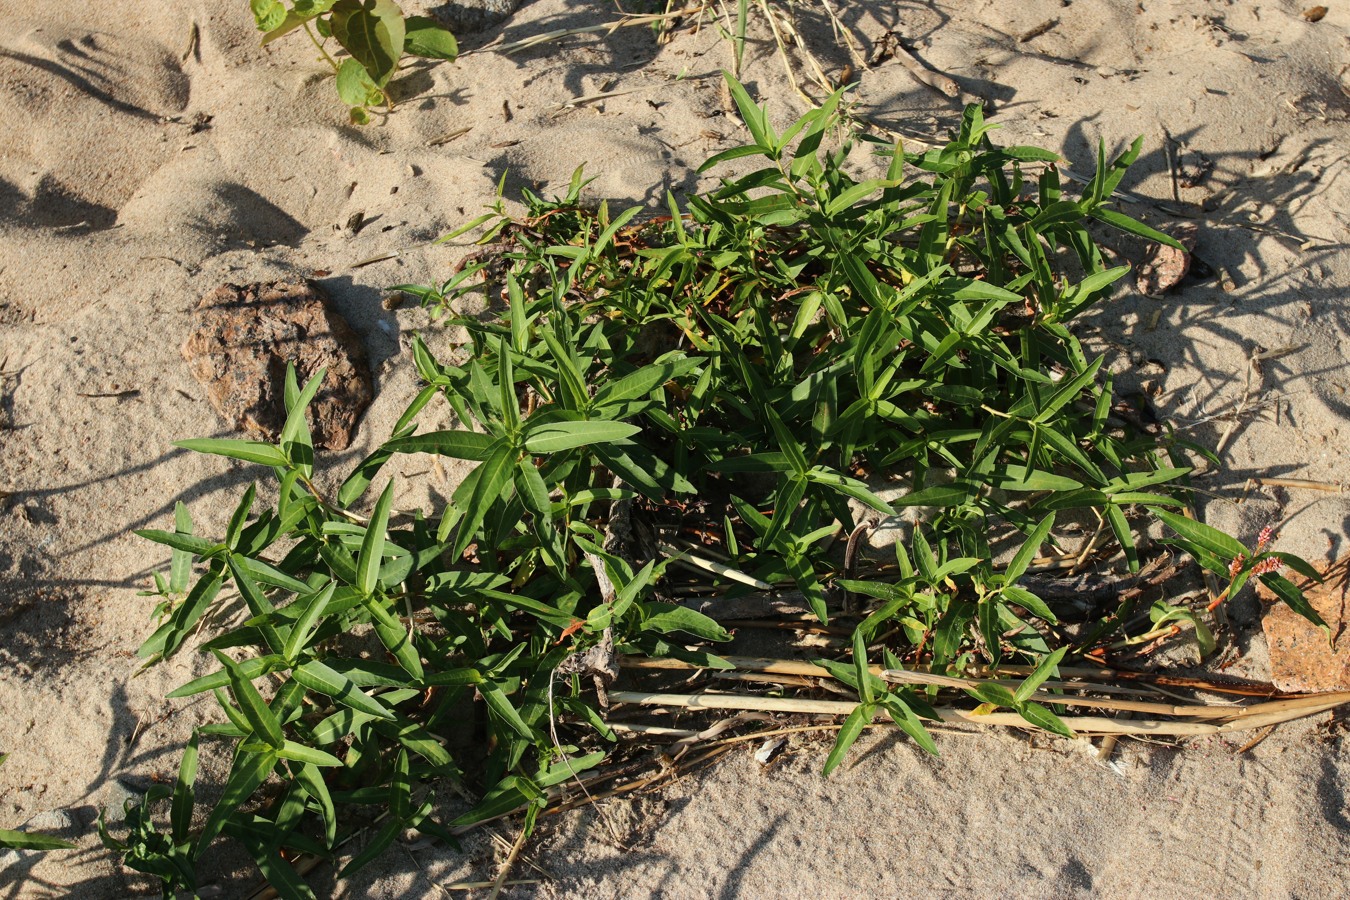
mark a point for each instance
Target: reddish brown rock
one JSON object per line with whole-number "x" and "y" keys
{"x": 1164, "y": 267}
{"x": 1300, "y": 658}
{"x": 248, "y": 334}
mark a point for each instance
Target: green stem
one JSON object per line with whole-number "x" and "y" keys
{"x": 319, "y": 46}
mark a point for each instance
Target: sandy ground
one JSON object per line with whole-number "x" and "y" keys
{"x": 135, "y": 177}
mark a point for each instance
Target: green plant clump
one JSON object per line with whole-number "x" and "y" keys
{"x": 732, "y": 385}
{"x": 375, "y": 34}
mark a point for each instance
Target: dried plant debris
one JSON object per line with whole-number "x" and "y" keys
{"x": 1165, "y": 266}
{"x": 244, "y": 340}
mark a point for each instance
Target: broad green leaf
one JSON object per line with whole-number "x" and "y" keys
{"x": 267, "y": 14}
{"x": 373, "y": 32}
{"x": 671, "y": 617}
{"x": 427, "y": 38}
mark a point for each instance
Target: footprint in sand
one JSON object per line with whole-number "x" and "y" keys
{"x": 113, "y": 91}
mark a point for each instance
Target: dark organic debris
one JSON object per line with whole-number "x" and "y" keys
{"x": 247, "y": 335}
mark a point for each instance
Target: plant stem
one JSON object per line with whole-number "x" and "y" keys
{"x": 319, "y": 46}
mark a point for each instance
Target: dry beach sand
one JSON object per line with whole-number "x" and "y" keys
{"x": 138, "y": 173}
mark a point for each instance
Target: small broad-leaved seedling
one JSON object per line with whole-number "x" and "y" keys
{"x": 730, "y": 384}
{"x": 374, "y": 33}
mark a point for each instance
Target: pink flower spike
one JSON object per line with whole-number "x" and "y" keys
{"x": 1267, "y": 535}
{"x": 1236, "y": 565}
{"x": 1270, "y": 564}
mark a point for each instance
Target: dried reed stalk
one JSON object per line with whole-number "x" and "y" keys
{"x": 1240, "y": 719}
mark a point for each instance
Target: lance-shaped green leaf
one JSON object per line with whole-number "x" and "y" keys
{"x": 397, "y": 639}
{"x": 294, "y": 751}
{"x": 170, "y": 636}
{"x": 1204, "y": 536}
{"x": 180, "y": 565}
{"x": 22, "y": 840}
{"x": 1044, "y": 669}
{"x": 477, "y": 494}
{"x": 258, "y": 604}
{"x": 503, "y": 709}
{"x": 304, "y": 625}
{"x": 455, "y": 443}
{"x": 260, "y": 717}
{"x": 848, "y": 733}
{"x": 1293, "y": 597}
{"x": 903, "y": 716}
{"x": 667, "y": 618}
{"x": 554, "y": 437}
{"x": 372, "y": 545}
{"x": 246, "y": 451}
{"x": 181, "y": 542}
{"x": 643, "y": 382}
{"x": 180, "y": 814}
{"x": 311, "y": 780}
{"x": 318, "y": 677}
{"x": 256, "y": 667}
{"x": 249, "y": 771}
{"x": 1043, "y": 718}
{"x": 269, "y": 574}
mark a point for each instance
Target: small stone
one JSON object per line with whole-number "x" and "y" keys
{"x": 462, "y": 16}
{"x": 248, "y": 334}
{"x": 56, "y": 823}
{"x": 1301, "y": 661}
{"x": 1164, "y": 267}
